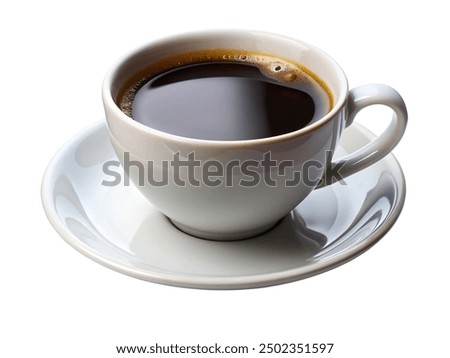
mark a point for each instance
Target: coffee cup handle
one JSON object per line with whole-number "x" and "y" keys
{"x": 359, "y": 98}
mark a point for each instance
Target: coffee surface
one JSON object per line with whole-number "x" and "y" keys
{"x": 235, "y": 98}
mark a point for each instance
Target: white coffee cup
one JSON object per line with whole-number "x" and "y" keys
{"x": 200, "y": 201}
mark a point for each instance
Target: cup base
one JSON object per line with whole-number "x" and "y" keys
{"x": 224, "y": 236}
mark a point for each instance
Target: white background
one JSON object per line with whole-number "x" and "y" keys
{"x": 391, "y": 301}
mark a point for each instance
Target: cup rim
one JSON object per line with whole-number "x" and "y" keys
{"x": 339, "y": 101}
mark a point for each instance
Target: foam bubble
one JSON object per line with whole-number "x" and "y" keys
{"x": 277, "y": 66}
{"x": 289, "y": 77}
{"x": 279, "y": 70}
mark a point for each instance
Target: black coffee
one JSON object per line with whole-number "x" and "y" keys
{"x": 235, "y": 98}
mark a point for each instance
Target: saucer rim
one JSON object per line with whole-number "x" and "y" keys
{"x": 210, "y": 282}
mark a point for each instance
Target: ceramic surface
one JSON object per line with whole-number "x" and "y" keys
{"x": 119, "y": 228}
{"x": 257, "y": 208}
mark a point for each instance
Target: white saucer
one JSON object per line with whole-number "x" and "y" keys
{"x": 118, "y": 228}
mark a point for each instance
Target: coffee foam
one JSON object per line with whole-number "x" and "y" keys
{"x": 275, "y": 68}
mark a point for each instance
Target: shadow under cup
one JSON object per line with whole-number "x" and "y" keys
{"x": 224, "y": 189}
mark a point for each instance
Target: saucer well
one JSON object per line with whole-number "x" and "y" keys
{"x": 118, "y": 228}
